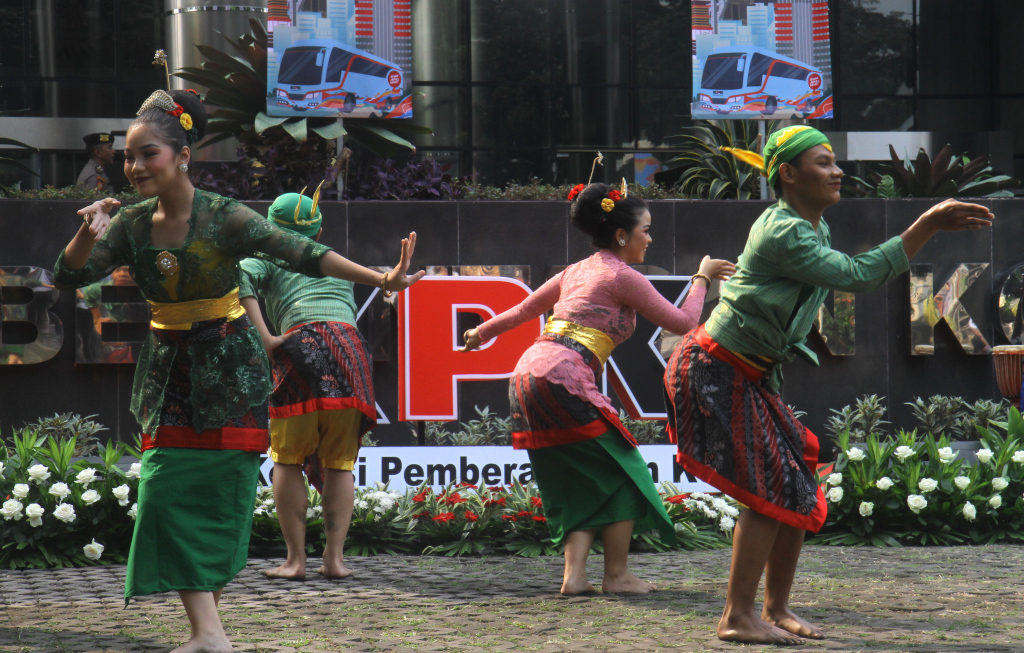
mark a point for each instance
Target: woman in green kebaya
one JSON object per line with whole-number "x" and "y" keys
{"x": 202, "y": 377}
{"x": 722, "y": 382}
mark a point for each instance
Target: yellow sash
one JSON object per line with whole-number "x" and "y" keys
{"x": 180, "y": 316}
{"x": 599, "y": 342}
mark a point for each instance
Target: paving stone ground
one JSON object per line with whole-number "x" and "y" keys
{"x": 914, "y": 599}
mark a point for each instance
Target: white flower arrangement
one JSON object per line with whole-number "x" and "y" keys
{"x": 12, "y": 509}
{"x": 883, "y": 483}
{"x": 20, "y": 490}
{"x": 835, "y": 495}
{"x": 969, "y": 511}
{"x": 835, "y": 479}
{"x": 855, "y": 454}
{"x": 65, "y": 512}
{"x": 38, "y": 473}
{"x": 133, "y": 511}
{"x": 86, "y": 476}
{"x": 1018, "y": 456}
{"x": 983, "y": 455}
{"x": 726, "y": 523}
{"x": 121, "y": 493}
{"x": 995, "y": 501}
{"x": 93, "y": 550}
{"x": 90, "y": 497}
{"x": 927, "y": 485}
{"x": 999, "y": 483}
{"x": 962, "y": 482}
{"x": 135, "y": 471}
{"x": 903, "y": 452}
{"x": 60, "y": 490}
{"x": 946, "y": 455}
{"x": 866, "y": 508}
{"x": 917, "y": 503}
{"x": 35, "y": 513}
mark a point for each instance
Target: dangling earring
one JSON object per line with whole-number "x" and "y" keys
{"x": 183, "y": 167}
{"x": 622, "y": 243}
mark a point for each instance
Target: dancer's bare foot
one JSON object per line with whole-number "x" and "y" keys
{"x": 288, "y": 571}
{"x": 576, "y": 586}
{"x": 749, "y": 629}
{"x": 334, "y": 570}
{"x": 789, "y": 621}
{"x": 626, "y": 583}
{"x": 205, "y": 644}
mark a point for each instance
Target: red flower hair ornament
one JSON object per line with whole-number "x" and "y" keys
{"x": 575, "y": 191}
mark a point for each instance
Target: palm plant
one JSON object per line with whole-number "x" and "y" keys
{"x": 946, "y": 176}
{"x": 710, "y": 172}
{"x": 280, "y": 154}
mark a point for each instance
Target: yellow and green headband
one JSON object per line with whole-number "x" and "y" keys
{"x": 786, "y": 144}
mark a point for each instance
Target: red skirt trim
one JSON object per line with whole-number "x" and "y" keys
{"x": 812, "y": 522}
{"x": 221, "y": 439}
{"x": 322, "y": 403}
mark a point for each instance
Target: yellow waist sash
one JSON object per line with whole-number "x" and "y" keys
{"x": 180, "y": 316}
{"x": 595, "y": 340}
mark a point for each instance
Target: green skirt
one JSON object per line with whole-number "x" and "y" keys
{"x": 193, "y": 520}
{"x": 597, "y": 482}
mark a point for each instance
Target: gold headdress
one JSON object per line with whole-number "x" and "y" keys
{"x": 160, "y": 99}
{"x": 312, "y": 211}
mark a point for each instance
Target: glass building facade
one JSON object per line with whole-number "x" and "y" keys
{"x": 522, "y": 89}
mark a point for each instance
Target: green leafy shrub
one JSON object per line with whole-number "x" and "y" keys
{"x": 57, "y": 513}
{"x": 907, "y": 489}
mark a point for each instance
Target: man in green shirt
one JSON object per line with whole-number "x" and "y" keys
{"x": 323, "y": 402}
{"x": 722, "y": 382}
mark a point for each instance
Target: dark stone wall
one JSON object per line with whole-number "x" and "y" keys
{"x": 538, "y": 234}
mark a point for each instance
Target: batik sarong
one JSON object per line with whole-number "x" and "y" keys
{"x": 739, "y": 437}
{"x": 324, "y": 366}
{"x": 545, "y": 413}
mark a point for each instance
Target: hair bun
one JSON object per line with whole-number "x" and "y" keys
{"x": 193, "y": 106}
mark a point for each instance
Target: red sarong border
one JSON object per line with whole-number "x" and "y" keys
{"x": 812, "y": 522}
{"x": 222, "y": 439}
{"x": 322, "y": 403}
{"x": 554, "y": 437}
{"x": 708, "y": 344}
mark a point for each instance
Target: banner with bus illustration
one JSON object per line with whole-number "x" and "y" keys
{"x": 339, "y": 58}
{"x": 762, "y": 59}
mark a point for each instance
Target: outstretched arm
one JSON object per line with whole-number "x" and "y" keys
{"x": 333, "y": 264}
{"x": 536, "y": 304}
{"x": 636, "y": 291}
{"x": 950, "y": 215}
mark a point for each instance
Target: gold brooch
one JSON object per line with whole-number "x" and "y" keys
{"x": 167, "y": 263}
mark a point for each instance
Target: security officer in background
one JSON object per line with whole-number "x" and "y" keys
{"x": 100, "y": 148}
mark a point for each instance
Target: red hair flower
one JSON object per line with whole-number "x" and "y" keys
{"x": 615, "y": 195}
{"x": 575, "y": 191}
{"x": 177, "y": 110}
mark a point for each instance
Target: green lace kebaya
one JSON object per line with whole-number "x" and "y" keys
{"x": 229, "y": 375}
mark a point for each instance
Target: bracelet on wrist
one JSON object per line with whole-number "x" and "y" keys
{"x": 701, "y": 275}
{"x": 383, "y": 283}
